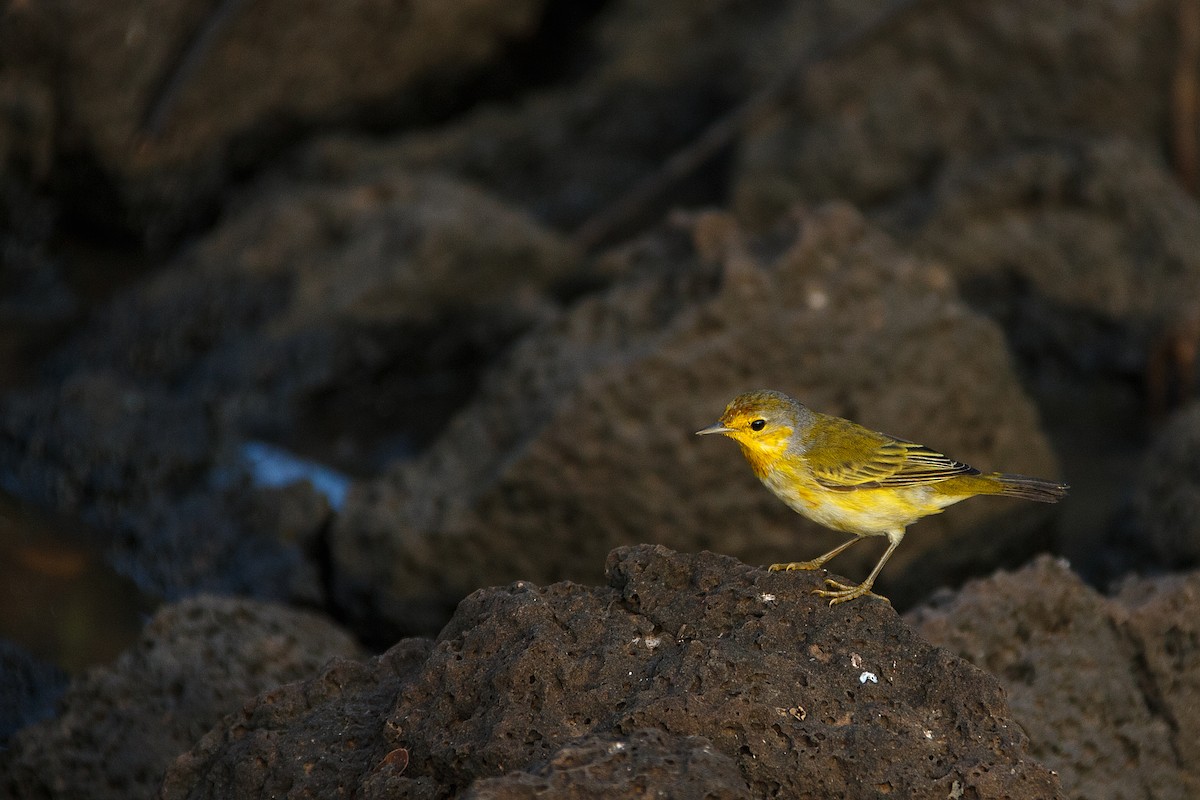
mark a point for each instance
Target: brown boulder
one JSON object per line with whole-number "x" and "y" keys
{"x": 706, "y": 672}
{"x": 1106, "y": 688}
{"x": 1100, "y": 227}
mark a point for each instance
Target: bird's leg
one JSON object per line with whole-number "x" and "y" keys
{"x": 841, "y": 592}
{"x": 816, "y": 563}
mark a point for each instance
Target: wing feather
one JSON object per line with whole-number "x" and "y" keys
{"x": 849, "y": 457}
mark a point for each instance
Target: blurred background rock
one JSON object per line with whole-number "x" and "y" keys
{"x": 362, "y": 307}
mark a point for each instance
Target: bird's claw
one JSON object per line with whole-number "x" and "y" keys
{"x": 842, "y": 592}
{"x": 791, "y": 566}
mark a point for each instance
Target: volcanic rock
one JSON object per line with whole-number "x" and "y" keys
{"x": 686, "y": 673}
{"x": 1106, "y": 688}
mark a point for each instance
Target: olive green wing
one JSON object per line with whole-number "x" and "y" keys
{"x": 846, "y": 456}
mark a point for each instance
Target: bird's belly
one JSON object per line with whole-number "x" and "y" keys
{"x": 866, "y": 512}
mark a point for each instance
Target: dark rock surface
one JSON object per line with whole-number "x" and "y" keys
{"x": 28, "y": 689}
{"x": 307, "y": 737}
{"x": 582, "y": 439}
{"x": 119, "y": 726}
{"x": 1106, "y": 688}
{"x": 657, "y": 74}
{"x": 327, "y": 296}
{"x": 952, "y": 83}
{"x": 632, "y": 765}
{"x": 1167, "y": 497}
{"x": 710, "y": 674}
{"x": 169, "y": 127}
{"x": 1099, "y": 226}
{"x": 136, "y": 462}
{"x": 1163, "y": 622}
{"x": 1088, "y": 254}
{"x": 345, "y": 316}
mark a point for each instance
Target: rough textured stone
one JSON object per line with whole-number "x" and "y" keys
{"x": 616, "y": 766}
{"x": 119, "y": 726}
{"x": 304, "y": 739}
{"x": 1163, "y": 622}
{"x": 1105, "y": 688}
{"x": 98, "y": 440}
{"x": 708, "y": 672}
{"x": 1101, "y": 226}
{"x": 1087, "y": 252}
{"x": 582, "y": 439}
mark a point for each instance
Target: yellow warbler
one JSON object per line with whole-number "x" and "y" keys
{"x": 852, "y": 479}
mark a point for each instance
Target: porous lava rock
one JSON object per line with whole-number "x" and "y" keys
{"x": 119, "y": 726}
{"x": 583, "y": 438}
{"x": 1105, "y": 687}
{"x": 708, "y": 673}
{"x": 1162, "y": 620}
{"x": 623, "y": 766}
{"x": 1088, "y": 252}
{"x": 310, "y": 738}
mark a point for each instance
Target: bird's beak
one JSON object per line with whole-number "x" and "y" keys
{"x": 716, "y": 427}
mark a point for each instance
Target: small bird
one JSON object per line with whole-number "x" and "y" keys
{"x": 852, "y": 479}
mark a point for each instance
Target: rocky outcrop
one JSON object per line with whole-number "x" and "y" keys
{"x": 685, "y": 674}
{"x": 1106, "y": 688}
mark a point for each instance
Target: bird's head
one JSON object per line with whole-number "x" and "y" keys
{"x": 763, "y": 423}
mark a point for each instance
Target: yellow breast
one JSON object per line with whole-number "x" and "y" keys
{"x": 866, "y": 512}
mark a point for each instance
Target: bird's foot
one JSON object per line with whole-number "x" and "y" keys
{"x": 842, "y": 592}
{"x": 791, "y": 566}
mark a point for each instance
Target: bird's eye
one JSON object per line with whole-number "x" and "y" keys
{"x": 758, "y": 424}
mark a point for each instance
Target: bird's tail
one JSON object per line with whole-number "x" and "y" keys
{"x": 1027, "y": 488}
